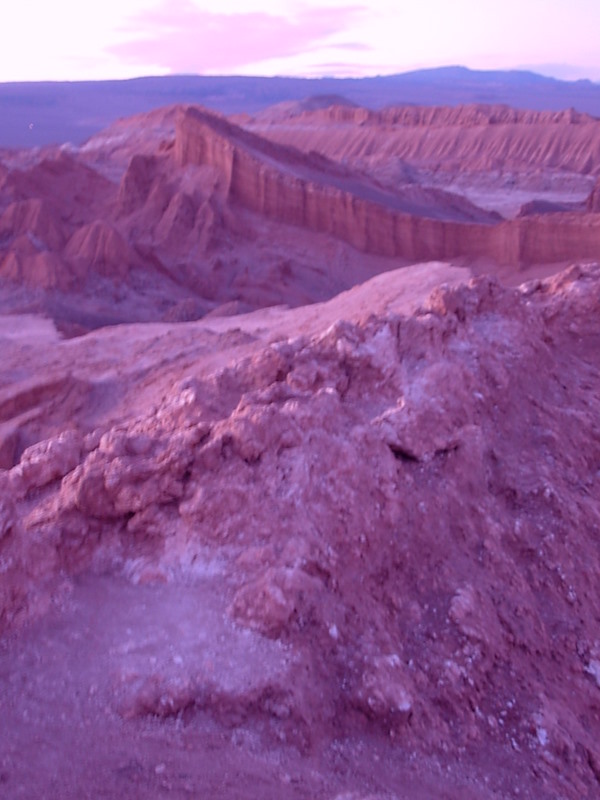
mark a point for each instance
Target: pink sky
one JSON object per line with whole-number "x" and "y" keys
{"x": 184, "y": 38}
{"x": 71, "y": 40}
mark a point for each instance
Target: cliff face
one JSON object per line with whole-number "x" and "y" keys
{"x": 463, "y": 139}
{"x": 118, "y": 230}
{"x": 184, "y": 204}
{"x": 465, "y": 116}
{"x": 280, "y": 183}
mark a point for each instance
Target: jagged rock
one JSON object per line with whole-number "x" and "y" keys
{"x": 384, "y": 690}
{"x": 130, "y": 225}
{"x": 393, "y": 425}
{"x": 268, "y": 603}
{"x": 475, "y": 138}
{"x": 102, "y": 247}
{"x": 136, "y": 183}
{"x": 35, "y": 218}
{"x": 369, "y": 526}
{"x": 48, "y": 460}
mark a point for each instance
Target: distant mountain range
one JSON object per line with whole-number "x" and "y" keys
{"x": 35, "y": 114}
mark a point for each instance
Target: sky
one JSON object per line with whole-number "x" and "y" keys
{"x": 104, "y": 39}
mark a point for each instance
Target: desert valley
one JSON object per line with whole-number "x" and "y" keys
{"x": 300, "y": 455}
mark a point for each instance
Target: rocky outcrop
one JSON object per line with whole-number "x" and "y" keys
{"x": 284, "y": 185}
{"x": 37, "y": 270}
{"x": 593, "y": 203}
{"x": 365, "y": 531}
{"x": 34, "y": 218}
{"x": 74, "y": 189}
{"x": 404, "y": 508}
{"x": 44, "y": 400}
{"x": 178, "y": 219}
{"x": 163, "y": 222}
{"x": 100, "y": 246}
{"x": 136, "y": 183}
{"x": 462, "y": 139}
{"x": 32, "y": 237}
{"x": 337, "y": 109}
{"x": 466, "y": 116}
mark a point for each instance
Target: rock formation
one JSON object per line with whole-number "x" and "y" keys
{"x": 196, "y": 212}
{"x": 99, "y": 247}
{"x": 473, "y": 138}
{"x": 282, "y": 184}
{"x": 391, "y": 521}
{"x": 593, "y": 203}
{"x": 337, "y": 538}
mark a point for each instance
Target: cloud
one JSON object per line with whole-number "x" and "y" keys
{"x": 356, "y": 46}
{"x": 345, "y": 69}
{"x": 180, "y": 37}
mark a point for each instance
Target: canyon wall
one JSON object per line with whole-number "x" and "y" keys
{"x": 282, "y": 184}
{"x": 474, "y": 138}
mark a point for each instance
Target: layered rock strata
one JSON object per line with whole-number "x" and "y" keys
{"x": 285, "y": 185}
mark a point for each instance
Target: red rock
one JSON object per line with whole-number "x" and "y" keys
{"x": 280, "y": 183}
{"x": 100, "y": 246}
{"x": 593, "y": 203}
{"x": 362, "y": 532}
{"x": 189, "y": 215}
{"x": 42, "y": 270}
{"x": 404, "y": 503}
{"x": 473, "y": 137}
{"x": 136, "y": 183}
{"x": 34, "y": 218}
{"x": 46, "y": 461}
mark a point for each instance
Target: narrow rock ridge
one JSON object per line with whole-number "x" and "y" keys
{"x": 284, "y": 185}
{"x": 433, "y": 116}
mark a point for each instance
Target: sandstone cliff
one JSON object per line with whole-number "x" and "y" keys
{"x": 181, "y": 211}
{"x": 283, "y": 184}
{"x": 466, "y": 138}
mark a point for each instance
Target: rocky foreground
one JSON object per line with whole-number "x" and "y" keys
{"x": 343, "y": 551}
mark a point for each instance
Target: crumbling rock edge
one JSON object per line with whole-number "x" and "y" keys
{"x": 408, "y": 505}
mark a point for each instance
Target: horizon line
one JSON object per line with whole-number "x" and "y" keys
{"x": 324, "y": 76}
